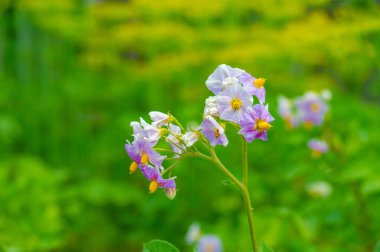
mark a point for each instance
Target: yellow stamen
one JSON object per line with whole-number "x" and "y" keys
{"x": 315, "y": 107}
{"x": 261, "y": 125}
{"x": 259, "y": 82}
{"x": 133, "y": 167}
{"x": 236, "y": 104}
{"x": 144, "y": 158}
{"x": 217, "y": 133}
{"x": 153, "y": 186}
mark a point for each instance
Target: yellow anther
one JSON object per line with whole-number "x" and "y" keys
{"x": 144, "y": 158}
{"x": 133, "y": 167}
{"x": 315, "y": 107}
{"x": 153, "y": 186}
{"x": 217, "y": 133}
{"x": 236, "y": 103}
{"x": 259, "y": 82}
{"x": 262, "y": 125}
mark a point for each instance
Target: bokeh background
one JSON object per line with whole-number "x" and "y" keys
{"x": 74, "y": 73}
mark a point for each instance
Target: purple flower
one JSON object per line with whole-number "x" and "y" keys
{"x": 213, "y": 131}
{"x": 141, "y": 151}
{"x": 233, "y": 102}
{"x": 318, "y": 147}
{"x": 255, "y": 123}
{"x": 209, "y": 243}
{"x": 156, "y": 181}
{"x": 253, "y": 86}
{"x": 311, "y": 108}
{"x": 152, "y": 133}
{"x": 223, "y": 77}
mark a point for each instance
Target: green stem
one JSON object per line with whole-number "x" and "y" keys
{"x": 247, "y": 201}
{"x": 245, "y": 162}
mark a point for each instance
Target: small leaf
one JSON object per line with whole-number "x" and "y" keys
{"x": 159, "y": 246}
{"x": 265, "y": 248}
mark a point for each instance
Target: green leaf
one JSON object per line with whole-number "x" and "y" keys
{"x": 265, "y": 248}
{"x": 159, "y": 246}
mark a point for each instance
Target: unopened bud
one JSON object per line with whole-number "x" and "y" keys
{"x": 170, "y": 193}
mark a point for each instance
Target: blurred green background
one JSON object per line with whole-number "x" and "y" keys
{"x": 74, "y": 73}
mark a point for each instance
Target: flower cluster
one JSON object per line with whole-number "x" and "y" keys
{"x": 203, "y": 243}
{"x": 233, "y": 102}
{"x": 234, "y": 91}
{"x": 147, "y": 159}
{"x": 309, "y": 109}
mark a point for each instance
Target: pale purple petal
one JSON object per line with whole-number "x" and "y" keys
{"x": 132, "y": 152}
{"x": 249, "y": 119}
{"x": 159, "y": 118}
{"x": 318, "y": 145}
{"x": 225, "y": 99}
{"x": 209, "y": 243}
{"x": 208, "y": 127}
{"x": 223, "y": 77}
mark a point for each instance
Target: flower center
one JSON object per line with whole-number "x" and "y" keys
{"x": 209, "y": 247}
{"x": 259, "y": 82}
{"x": 261, "y": 125}
{"x": 217, "y": 133}
{"x": 133, "y": 167}
{"x": 153, "y": 186}
{"x": 315, "y": 107}
{"x": 144, "y": 158}
{"x": 236, "y": 103}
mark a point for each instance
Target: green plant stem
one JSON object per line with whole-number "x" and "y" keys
{"x": 245, "y": 162}
{"x": 247, "y": 201}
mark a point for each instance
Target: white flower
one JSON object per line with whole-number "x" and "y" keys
{"x": 159, "y": 119}
{"x": 189, "y": 138}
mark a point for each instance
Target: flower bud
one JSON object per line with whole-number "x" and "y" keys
{"x": 170, "y": 193}
{"x": 211, "y": 107}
